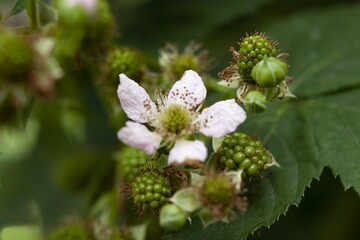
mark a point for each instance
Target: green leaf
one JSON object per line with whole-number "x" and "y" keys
{"x": 324, "y": 49}
{"x": 16, "y": 143}
{"x": 18, "y": 7}
{"x": 192, "y": 18}
{"x": 321, "y": 128}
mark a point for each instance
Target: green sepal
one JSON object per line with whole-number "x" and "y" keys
{"x": 138, "y": 232}
{"x": 196, "y": 180}
{"x": 208, "y": 218}
{"x": 187, "y": 199}
{"x": 216, "y": 143}
{"x": 236, "y": 178}
{"x": 172, "y": 217}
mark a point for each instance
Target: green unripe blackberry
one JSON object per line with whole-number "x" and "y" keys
{"x": 130, "y": 160}
{"x": 124, "y": 60}
{"x": 15, "y": 56}
{"x": 70, "y": 232}
{"x": 151, "y": 190}
{"x": 218, "y": 189}
{"x": 182, "y": 63}
{"x": 253, "y": 48}
{"x": 218, "y": 194}
{"x": 240, "y": 151}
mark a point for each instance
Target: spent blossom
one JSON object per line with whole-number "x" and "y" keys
{"x": 174, "y": 117}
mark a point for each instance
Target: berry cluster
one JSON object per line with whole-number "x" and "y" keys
{"x": 151, "y": 189}
{"x": 182, "y": 63}
{"x": 129, "y": 161}
{"x": 240, "y": 151}
{"x": 218, "y": 189}
{"x": 124, "y": 60}
{"x": 253, "y": 48}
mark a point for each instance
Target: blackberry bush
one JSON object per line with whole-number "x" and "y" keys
{"x": 240, "y": 151}
{"x": 253, "y": 48}
{"x": 151, "y": 190}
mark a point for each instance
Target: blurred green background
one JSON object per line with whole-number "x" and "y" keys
{"x": 32, "y": 183}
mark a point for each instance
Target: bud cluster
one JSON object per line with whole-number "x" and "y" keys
{"x": 253, "y": 48}
{"x": 240, "y": 151}
{"x": 259, "y": 72}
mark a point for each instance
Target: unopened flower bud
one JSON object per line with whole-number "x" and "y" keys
{"x": 269, "y": 72}
{"x": 172, "y": 217}
{"x": 255, "y": 102}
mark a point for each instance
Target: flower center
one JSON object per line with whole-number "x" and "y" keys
{"x": 175, "y": 118}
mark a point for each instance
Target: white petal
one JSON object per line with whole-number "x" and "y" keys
{"x": 185, "y": 150}
{"x": 189, "y": 91}
{"x": 138, "y": 136}
{"x": 134, "y": 100}
{"x": 221, "y": 118}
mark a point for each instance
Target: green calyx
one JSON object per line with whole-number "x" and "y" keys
{"x": 240, "y": 151}
{"x": 15, "y": 57}
{"x": 175, "y": 118}
{"x": 253, "y": 48}
{"x": 255, "y": 102}
{"x": 269, "y": 72}
{"x": 182, "y": 63}
{"x": 218, "y": 190}
{"x": 151, "y": 189}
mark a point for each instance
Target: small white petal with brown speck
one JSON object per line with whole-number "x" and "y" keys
{"x": 189, "y": 91}
{"x": 138, "y": 136}
{"x": 221, "y": 118}
{"x": 134, "y": 100}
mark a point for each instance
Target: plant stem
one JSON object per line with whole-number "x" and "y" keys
{"x": 33, "y": 14}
